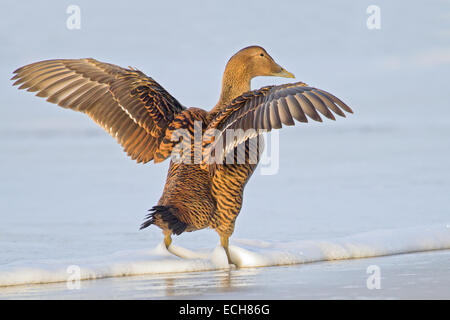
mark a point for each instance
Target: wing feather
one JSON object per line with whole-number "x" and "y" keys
{"x": 284, "y": 113}
{"x": 130, "y": 106}
{"x": 270, "y": 108}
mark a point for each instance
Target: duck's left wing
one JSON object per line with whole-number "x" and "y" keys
{"x": 265, "y": 109}
{"x": 133, "y": 108}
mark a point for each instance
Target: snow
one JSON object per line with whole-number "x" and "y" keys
{"x": 247, "y": 254}
{"x": 375, "y": 183}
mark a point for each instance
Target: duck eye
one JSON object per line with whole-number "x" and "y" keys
{"x": 262, "y": 54}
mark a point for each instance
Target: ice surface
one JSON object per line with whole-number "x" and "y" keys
{"x": 245, "y": 254}
{"x": 68, "y": 194}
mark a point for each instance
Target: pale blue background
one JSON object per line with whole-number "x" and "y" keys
{"x": 66, "y": 188}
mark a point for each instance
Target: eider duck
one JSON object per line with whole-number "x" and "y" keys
{"x": 146, "y": 120}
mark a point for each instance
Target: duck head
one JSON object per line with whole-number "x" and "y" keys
{"x": 254, "y": 61}
{"x": 242, "y": 67}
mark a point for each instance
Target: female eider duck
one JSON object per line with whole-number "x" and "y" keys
{"x": 146, "y": 120}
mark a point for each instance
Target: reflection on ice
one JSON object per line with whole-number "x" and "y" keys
{"x": 249, "y": 253}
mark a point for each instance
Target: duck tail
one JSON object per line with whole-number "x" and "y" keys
{"x": 165, "y": 214}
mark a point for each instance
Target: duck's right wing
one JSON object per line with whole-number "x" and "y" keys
{"x": 265, "y": 109}
{"x": 131, "y": 107}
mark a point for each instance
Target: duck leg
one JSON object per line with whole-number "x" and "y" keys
{"x": 224, "y": 244}
{"x": 168, "y": 242}
{"x": 167, "y": 238}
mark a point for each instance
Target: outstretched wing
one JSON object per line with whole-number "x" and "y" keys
{"x": 131, "y": 107}
{"x": 265, "y": 109}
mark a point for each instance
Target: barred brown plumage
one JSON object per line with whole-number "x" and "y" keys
{"x": 146, "y": 120}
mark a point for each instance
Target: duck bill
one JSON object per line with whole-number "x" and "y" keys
{"x": 284, "y": 73}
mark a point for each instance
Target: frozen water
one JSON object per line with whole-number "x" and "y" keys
{"x": 69, "y": 195}
{"x": 249, "y": 253}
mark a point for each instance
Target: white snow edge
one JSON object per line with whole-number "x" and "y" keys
{"x": 249, "y": 253}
